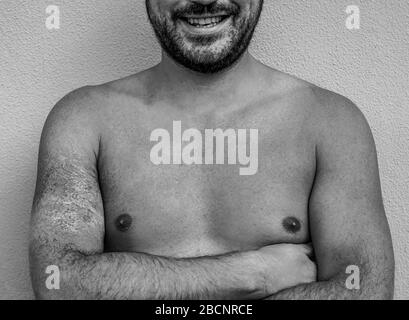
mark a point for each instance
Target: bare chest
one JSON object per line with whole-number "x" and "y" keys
{"x": 193, "y": 206}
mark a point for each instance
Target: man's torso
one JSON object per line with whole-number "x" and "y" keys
{"x": 196, "y": 210}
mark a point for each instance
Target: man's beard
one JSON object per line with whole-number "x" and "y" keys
{"x": 195, "y": 52}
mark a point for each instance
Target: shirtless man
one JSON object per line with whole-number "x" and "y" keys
{"x": 119, "y": 226}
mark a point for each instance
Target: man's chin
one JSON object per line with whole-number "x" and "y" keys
{"x": 206, "y": 49}
{"x": 205, "y": 65}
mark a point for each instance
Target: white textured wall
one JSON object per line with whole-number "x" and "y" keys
{"x": 101, "y": 40}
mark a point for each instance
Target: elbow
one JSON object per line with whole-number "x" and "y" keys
{"x": 48, "y": 288}
{"x": 50, "y": 283}
{"x": 44, "y": 291}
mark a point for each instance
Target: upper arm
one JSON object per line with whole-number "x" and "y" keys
{"x": 348, "y": 222}
{"x": 67, "y": 211}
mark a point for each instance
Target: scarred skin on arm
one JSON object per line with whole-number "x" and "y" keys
{"x": 347, "y": 217}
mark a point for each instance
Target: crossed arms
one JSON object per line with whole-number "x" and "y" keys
{"x": 347, "y": 219}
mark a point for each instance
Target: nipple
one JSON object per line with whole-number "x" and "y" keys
{"x": 123, "y": 222}
{"x": 291, "y": 224}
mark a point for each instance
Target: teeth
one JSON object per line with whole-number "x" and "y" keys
{"x": 204, "y": 22}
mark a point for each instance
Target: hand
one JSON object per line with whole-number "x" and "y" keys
{"x": 283, "y": 266}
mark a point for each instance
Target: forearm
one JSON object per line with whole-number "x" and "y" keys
{"x": 336, "y": 289}
{"x": 143, "y": 276}
{"x": 323, "y": 290}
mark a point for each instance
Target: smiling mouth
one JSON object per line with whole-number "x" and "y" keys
{"x": 205, "y": 22}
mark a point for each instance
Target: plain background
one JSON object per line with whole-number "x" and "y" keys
{"x": 101, "y": 40}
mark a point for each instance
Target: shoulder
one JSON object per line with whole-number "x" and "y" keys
{"x": 334, "y": 121}
{"x": 321, "y": 104}
{"x": 338, "y": 122}
{"x": 76, "y": 108}
{"x": 88, "y": 103}
{"x": 329, "y": 115}
{"x": 341, "y": 133}
{"x": 82, "y": 117}
{"x": 73, "y": 120}
{"x": 336, "y": 110}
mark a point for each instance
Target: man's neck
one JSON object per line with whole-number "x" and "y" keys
{"x": 187, "y": 86}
